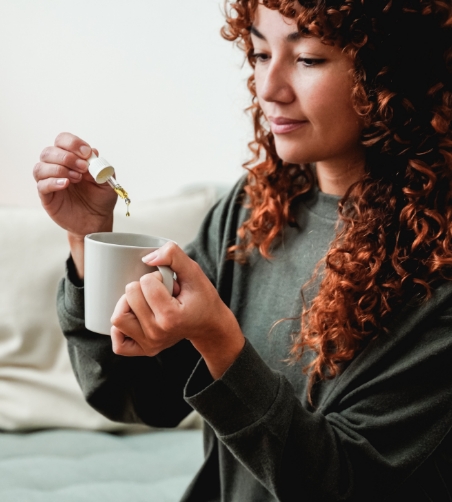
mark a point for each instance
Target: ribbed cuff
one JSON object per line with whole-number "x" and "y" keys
{"x": 242, "y": 396}
{"x": 74, "y": 292}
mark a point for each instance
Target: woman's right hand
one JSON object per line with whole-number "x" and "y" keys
{"x": 69, "y": 193}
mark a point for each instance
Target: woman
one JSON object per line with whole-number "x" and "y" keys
{"x": 345, "y": 391}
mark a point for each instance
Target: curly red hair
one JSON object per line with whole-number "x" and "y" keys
{"x": 394, "y": 242}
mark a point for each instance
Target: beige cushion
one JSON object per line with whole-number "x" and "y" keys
{"x": 37, "y": 386}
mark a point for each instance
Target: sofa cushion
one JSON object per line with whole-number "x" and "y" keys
{"x": 37, "y": 386}
{"x": 73, "y": 466}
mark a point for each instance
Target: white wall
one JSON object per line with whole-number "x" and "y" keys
{"x": 150, "y": 83}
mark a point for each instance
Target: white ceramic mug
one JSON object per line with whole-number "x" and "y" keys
{"x": 113, "y": 260}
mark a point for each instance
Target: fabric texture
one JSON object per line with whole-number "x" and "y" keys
{"x": 378, "y": 432}
{"x": 88, "y": 466}
{"x": 37, "y": 385}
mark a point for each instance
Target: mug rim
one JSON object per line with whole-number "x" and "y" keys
{"x": 92, "y": 238}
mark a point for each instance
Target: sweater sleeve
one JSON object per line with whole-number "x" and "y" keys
{"x": 125, "y": 389}
{"x": 386, "y": 414}
{"x": 138, "y": 389}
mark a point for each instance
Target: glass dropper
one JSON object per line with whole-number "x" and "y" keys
{"x": 120, "y": 191}
{"x": 102, "y": 171}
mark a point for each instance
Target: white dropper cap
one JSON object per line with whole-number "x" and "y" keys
{"x": 100, "y": 169}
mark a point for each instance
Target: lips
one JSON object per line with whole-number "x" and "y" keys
{"x": 284, "y": 125}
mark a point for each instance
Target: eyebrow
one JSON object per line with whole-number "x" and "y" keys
{"x": 291, "y": 37}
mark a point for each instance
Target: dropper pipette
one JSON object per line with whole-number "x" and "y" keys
{"x": 102, "y": 171}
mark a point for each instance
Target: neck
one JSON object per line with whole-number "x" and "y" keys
{"x": 335, "y": 177}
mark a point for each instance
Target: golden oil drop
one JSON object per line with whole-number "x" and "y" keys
{"x": 124, "y": 195}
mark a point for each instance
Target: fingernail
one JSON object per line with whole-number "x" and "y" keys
{"x": 74, "y": 175}
{"x": 85, "y": 150}
{"x": 82, "y": 165}
{"x": 60, "y": 181}
{"x": 150, "y": 257}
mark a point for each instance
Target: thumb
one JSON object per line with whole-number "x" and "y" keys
{"x": 172, "y": 256}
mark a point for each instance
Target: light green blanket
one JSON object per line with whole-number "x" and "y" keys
{"x": 81, "y": 466}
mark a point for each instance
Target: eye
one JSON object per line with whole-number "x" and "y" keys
{"x": 310, "y": 62}
{"x": 259, "y": 57}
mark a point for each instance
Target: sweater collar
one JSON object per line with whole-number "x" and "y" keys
{"x": 322, "y": 204}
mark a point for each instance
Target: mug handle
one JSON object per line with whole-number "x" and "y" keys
{"x": 167, "y": 275}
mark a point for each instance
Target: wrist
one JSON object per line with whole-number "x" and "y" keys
{"x": 75, "y": 240}
{"x": 77, "y": 247}
{"x": 222, "y": 349}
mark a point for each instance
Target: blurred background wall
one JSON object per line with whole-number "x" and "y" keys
{"x": 149, "y": 83}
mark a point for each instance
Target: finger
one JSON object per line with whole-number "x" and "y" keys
{"x": 156, "y": 295}
{"x": 151, "y": 280}
{"x": 138, "y": 303}
{"x": 176, "y": 287}
{"x": 121, "y": 308}
{"x": 125, "y": 319}
{"x": 123, "y": 345}
{"x": 43, "y": 171}
{"x": 56, "y": 155}
{"x": 172, "y": 255}
{"x": 47, "y": 188}
{"x": 72, "y": 143}
{"x": 132, "y": 314}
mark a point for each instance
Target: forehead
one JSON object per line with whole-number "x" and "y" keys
{"x": 270, "y": 20}
{"x": 272, "y": 27}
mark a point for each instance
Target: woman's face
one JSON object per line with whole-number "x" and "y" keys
{"x": 304, "y": 89}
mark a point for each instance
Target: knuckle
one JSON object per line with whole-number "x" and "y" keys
{"x": 172, "y": 247}
{"x": 157, "y": 275}
{"x": 64, "y": 139}
{"x": 45, "y": 154}
{"x": 37, "y": 171}
{"x": 115, "y": 347}
{"x": 39, "y": 186}
{"x": 67, "y": 141}
{"x": 114, "y": 344}
{"x": 63, "y": 158}
{"x": 167, "y": 324}
{"x": 145, "y": 279}
{"x": 132, "y": 287}
{"x": 60, "y": 138}
{"x": 115, "y": 319}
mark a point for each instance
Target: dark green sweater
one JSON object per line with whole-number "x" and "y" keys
{"x": 380, "y": 431}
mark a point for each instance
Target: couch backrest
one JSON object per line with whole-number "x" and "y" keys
{"x": 37, "y": 386}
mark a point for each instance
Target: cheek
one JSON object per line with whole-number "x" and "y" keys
{"x": 327, "y": 97}
{"x": 329, "y": 107}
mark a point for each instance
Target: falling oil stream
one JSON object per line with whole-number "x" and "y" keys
{"x": 121, "y": 192}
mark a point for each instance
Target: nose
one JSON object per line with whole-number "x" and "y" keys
{"x": 274, "y": 84}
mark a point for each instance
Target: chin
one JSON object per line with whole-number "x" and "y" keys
{"x": 294, "y": 154}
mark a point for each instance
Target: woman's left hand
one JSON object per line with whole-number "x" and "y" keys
{"x": 148, "y": 320}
